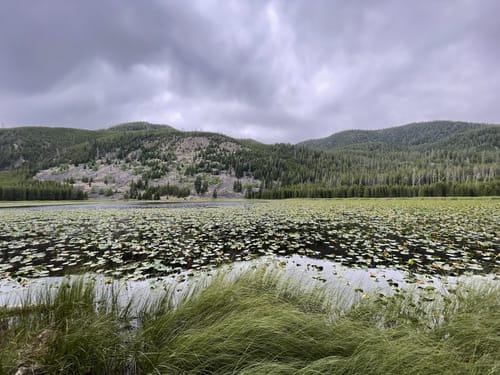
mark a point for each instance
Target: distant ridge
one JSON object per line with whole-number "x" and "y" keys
{"x": 140, "y": 125}
{"x": 415, "y": 134}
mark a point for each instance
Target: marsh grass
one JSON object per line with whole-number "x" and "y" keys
{"x": 260, "y": 322}
{"x": 74, "y": 328}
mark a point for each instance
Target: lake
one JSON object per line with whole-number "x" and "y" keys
{"x": 133, "y": 242}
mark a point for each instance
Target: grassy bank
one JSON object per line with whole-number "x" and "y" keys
{"x": 258, "y": 323}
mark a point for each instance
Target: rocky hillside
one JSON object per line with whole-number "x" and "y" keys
{"x": 175, "y": 159}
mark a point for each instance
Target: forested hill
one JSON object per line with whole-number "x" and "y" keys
{"x": 142, "y": 125}
{"x": 149, "y": 160}
{"x": 447, "y": 134}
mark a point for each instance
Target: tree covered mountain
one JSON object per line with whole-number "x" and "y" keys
{"x": 424, "y": 135}
{"x": 149, "y": 161}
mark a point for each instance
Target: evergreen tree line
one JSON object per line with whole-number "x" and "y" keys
{"x": 440, "y": 189}
{"x": 40, "y": 191}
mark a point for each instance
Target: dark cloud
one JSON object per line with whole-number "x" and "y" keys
{"x": 270, "y": 70}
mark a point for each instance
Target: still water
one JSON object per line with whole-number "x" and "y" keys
{"x": 353, "y": 283}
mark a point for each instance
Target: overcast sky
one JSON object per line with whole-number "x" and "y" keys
{"x": 275, "y": 71}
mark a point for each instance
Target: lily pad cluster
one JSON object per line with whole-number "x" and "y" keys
{"x": 439, "y": 237}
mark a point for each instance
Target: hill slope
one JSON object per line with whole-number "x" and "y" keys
{"x": 417, "y": 134}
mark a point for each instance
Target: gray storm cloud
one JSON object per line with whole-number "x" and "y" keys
{"x": 276, "y": 71}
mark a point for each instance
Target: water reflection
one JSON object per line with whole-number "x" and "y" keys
{"x": 352, "y": 282}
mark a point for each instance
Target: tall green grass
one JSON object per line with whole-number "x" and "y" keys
{"x": 76, "y": 330}
{"x": 259, "y": 322}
